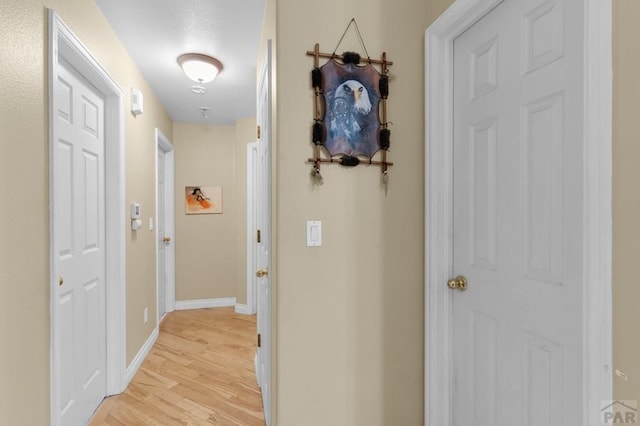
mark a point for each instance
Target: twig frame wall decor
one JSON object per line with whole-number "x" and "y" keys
{"x": 350, "y": 123}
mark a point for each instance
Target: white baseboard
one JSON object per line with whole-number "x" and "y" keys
{"x": 133, "y": 368}
{"x": 243, "y": 309}
{"x": 205, "y": 303}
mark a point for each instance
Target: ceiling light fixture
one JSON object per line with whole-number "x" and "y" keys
{"x": 200, "y": 68}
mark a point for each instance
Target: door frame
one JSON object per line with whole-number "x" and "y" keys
{"x": 597, "y": 228}
{"x": 164, "y": 144}
{"x": 252, "y": 176}
{"x": 64, "y": 44}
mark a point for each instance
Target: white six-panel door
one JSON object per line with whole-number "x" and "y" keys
{"x": 264, "y": 246}
{"x": 165, "y": 225}
{"x": 79, "y": 251}
{"x": 518, "y": 216}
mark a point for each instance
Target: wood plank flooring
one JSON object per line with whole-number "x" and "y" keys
{"x": 199, "y": 372}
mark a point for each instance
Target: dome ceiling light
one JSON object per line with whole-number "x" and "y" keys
{"x": 200, "y": 68}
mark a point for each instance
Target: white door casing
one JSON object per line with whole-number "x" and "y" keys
{"x": 264, "y": 224}
{"x": 94, "y": 241}
{"x": 165, "y": 224}
{"x": 585, "y": 278}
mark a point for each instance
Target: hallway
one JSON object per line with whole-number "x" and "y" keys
{"x": 199, "y": 372}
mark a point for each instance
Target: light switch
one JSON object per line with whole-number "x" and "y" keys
{"x": 314, "y": 233}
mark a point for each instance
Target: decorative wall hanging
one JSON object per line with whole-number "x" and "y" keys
{"x": 202, "y": 199}
{"x": 350, "y": 109}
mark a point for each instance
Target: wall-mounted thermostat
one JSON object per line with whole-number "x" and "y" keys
{"x": 136, "y": 223}
{"x": 135, "y": 211}
{"x": 137, "y": 102}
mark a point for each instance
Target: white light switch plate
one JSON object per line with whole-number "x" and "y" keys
{"x": 314, "y": 233}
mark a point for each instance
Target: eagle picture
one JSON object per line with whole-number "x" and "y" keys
{"x": 351, "y": 94}
{"x": 351, "y": 104}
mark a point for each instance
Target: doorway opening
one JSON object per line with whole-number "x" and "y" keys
{"x": 252, "y": 227}
{"x": 165, "y": 227}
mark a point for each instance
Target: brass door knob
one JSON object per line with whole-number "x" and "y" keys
{"x": 60, "y": 281}
{"x": 262, "y": 272}
{"x": 166, "y": 240}
{"x": 458, "y": 283}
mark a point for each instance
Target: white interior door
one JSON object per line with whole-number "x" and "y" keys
{"x": 78, "y": 193}
{"x": 164, "y": 239}
{"x": 165, "y": 225}
{"x": 264, "y": 225}
{"x": 518, "y": 216}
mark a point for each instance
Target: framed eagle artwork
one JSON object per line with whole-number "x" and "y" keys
{"x": 350, "y": 111}
{"x": 352, "y": 119}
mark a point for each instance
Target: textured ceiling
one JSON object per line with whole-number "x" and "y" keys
{"x": 156, "y": 32}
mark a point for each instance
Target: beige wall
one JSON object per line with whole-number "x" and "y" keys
{"x": 350, "y": 329}
{"x": 626, "y": 198}
{"x": 24, "y": 159}
{"x": 205, "y": 244}
{"x": 435, "y": 8}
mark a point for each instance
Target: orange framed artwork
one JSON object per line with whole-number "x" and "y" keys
{"x": 203, "y": 199}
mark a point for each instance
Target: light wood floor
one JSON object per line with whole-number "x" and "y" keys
{"x": 199, "y": 372}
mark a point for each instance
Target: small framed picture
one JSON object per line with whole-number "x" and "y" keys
{"x": 203, "y": 199}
